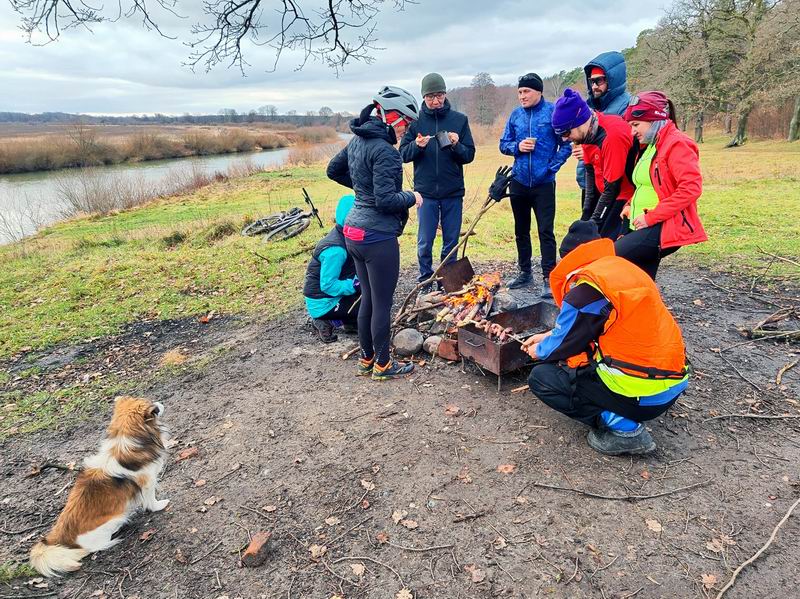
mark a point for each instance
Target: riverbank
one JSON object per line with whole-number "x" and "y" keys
{"x": 94, "y": 145}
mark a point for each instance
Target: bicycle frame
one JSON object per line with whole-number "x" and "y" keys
{"x": 314, "y": 211}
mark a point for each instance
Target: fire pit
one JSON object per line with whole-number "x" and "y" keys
{"x": 503, "y": 357}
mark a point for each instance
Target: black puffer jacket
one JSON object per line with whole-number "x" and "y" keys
{"x": 439, "y": 174}
{"x": 371, "y": 166}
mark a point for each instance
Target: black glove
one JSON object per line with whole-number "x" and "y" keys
{"x": 499, "y": 188}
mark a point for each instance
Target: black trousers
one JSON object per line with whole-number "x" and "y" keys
{"x": 643, "y": 248}
{"x": 581, "y": 395}
{"x": 378, "y": 268}
{"x": 341, "y": 311}
{"x": 542, "y": 200}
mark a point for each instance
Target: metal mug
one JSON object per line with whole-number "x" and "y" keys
{"x": 443, "y": 139}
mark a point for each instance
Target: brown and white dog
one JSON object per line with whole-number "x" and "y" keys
{"x": 114, "y": 483}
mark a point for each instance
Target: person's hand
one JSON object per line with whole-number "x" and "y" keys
{"x": 422, "y": 140}
{"x": 418, "y": 198}
{"x": 577, "y": 151}
{"x": 526, "y": 145}
{"x": 499, "y": 187}
{"x": 626, "y": 212}
{"x": 640, "y": 222}
{"x": 453, "y": 137}
{"x": 356, "y": 283}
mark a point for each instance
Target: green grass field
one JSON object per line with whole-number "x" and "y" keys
{"x": 184, "y": 256}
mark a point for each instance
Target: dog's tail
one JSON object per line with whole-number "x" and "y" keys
{"x": 53, "y": 560}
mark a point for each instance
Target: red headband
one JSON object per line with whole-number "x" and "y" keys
{"x": 597, "y": 72}
{"x": 647, "y": 106}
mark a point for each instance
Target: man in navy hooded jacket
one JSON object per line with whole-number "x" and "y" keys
{"x": 606, "y": 80}
{"x": 538, "y": 154}
{"x": 438, "y": 169}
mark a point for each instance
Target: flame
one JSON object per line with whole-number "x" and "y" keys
{"x": 483, "y": 287}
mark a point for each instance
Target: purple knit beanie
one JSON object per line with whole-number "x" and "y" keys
{"x": 571, "y": 111}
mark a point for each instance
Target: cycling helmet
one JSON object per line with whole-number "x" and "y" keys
{"x": 390, "y": 98}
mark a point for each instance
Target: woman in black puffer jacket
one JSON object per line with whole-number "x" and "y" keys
{"x": 371, "y": 165}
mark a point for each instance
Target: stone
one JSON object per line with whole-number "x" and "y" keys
{"x": 408, "y": 342}
{"x": 448, "y": 349}
{"x": 258, "y": 550}
{"x": 432, "y": 344}
{"x": 504, "y": 302}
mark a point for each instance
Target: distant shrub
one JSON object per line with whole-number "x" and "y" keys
{"x": 173, "y": 239}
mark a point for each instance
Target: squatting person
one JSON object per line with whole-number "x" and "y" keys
{"x": 370, "y": 164}
{"x": 439, "y": 144}
{"x": 331, "y": 286}
{"x": 616, "y": 356}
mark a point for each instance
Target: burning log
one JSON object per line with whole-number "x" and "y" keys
{"x": 472, "y": 302}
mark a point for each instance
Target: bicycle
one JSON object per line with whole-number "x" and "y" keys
{"x": 284, "y": 225}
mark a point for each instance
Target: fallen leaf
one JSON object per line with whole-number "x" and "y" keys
{"x": 180, "y": 557}
{"x": 212, "y": 500}
{"x": 200, "y": 482}
{"x": 654, "y": 525}
{"x": 645, "y": 475}
{"x": 709, "y": 580}
{"x": 452, "y": 410}
{"x": 317, "y": 551}
{"x": 404, "y": 594}
{"x": 171, "y": 443}
{"x": 369, "y": 486}
{"x": 332, "y": 521}
{"x": 398, "y": 515}
{"x": 382, "y": 538}
{"x": 506, "y": 468}
{"x": 358, "y": 569}
{"x": 187, "y": 453}
{"x": 269, "y": 508}
{"x": 365, "y": 504}
{"x": 499, "y": 543}
{"x": 409, "y": 524}
{"x": 227, "y": 424}
{"x": 476, "y": 574}
{"x": 697, "y": 302}
{"x": 145, "y": 536}
{"x": 715, "y": 545}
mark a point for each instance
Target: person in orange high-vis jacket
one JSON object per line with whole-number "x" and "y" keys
{"x": 616, "y": 356}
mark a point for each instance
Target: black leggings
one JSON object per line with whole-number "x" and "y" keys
{"x": 643, "y": 248}
{"x": 378, "y": 268}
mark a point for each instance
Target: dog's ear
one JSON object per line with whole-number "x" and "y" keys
{"x": 153, "y": 411}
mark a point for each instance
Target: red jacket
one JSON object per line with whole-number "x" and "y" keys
{"x": 676, "y": 177}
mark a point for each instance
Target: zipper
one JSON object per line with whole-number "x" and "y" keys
{"x": 686, "y": 221}
{"x": 436, "y": 130}
{"x": 530, "y": 154}
{"x": 658, "y": 175}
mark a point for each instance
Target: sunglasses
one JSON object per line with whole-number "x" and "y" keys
{"x": 597, "y": 80}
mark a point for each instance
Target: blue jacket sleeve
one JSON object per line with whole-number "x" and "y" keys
{"x": 508, "y": 141}
{"x": 562, "y": 154}
{"x": 385, "y": 168}
{"x": 338, "y": 169}
{"x": 464, "y": 150}
{"x": 332, "y": 259}
{"x": 584, "y": 312}
{"x": 409, "y": 150}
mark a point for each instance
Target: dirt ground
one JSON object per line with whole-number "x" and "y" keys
{"x": 404, "y": 496}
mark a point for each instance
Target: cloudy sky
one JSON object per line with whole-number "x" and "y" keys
{"x": 121, "y": 68}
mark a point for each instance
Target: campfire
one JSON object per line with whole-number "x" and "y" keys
{"x": 472, "y": 302}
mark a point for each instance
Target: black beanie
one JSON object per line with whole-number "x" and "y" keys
{"x": 579, "y": 233}
{"x": 531, "y": 80}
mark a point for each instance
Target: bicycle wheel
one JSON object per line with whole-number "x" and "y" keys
{"x": 288, "y": 231}
{"x": 262, "y": 225}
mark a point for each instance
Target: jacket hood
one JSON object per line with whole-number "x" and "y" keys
{"x": 436, "y": 111}
{"x": 373, "y": 128}
{"x": 613, "y": 63}
{"x": 584, "y": 254}
{"x": 343, "y": 208}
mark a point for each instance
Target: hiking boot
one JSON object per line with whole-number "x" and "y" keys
{"x": 349, "y": 329}
{"x": 391, "y": 370}
{"x": 426, "y": 289}
{"x": 324, "y": 330}
{"x": 523, "y": 279}
{"x": 547, "y": 293}
{"x": 365, "y": 367}
{"x": 610, "y": 443}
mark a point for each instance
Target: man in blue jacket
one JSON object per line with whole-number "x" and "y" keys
{"x": 438, "y": 169}
{"x": 331, "y": 286}
{"x": 606, "y": 80}
{"x": 538, "y": 154}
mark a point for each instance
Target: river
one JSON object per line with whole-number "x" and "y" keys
{"x": 32, "y": 200}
